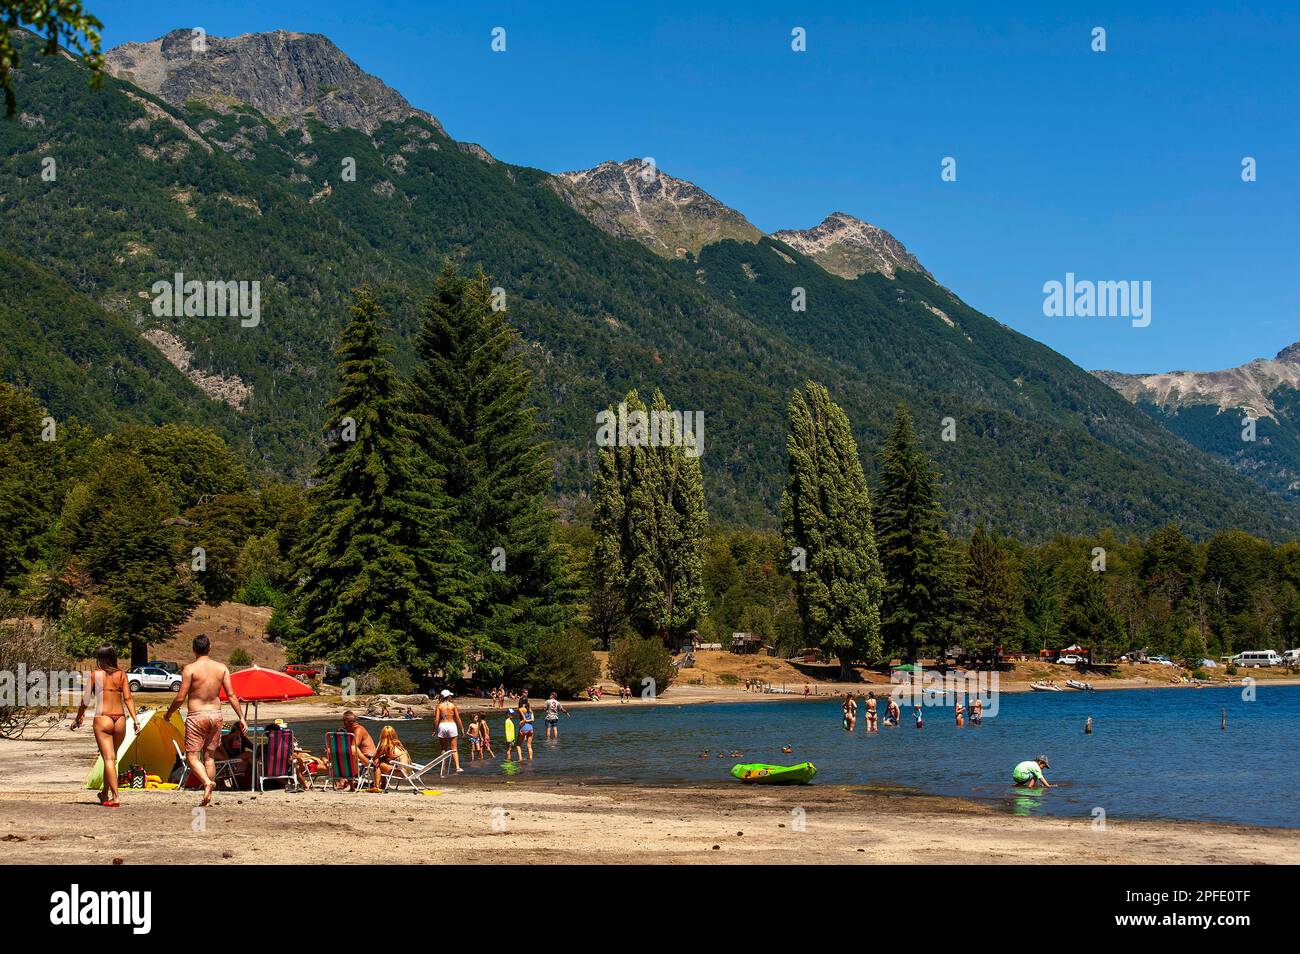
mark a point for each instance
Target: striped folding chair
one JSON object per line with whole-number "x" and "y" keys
{"x": 340, "y": 752}
{"x": 276, "y": 762}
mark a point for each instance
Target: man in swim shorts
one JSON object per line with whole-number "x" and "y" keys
{"x": 1029, "y": 774}
{"x": 449, "y": 727}
{"x": 202, "y": 683}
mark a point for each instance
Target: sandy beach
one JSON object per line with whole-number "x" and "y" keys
{"x": 47, "y": 817}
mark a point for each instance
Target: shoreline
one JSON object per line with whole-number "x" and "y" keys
{"x": 474, "y": 821}
{"x": 52, "y": 769}
{"x": 329, "y": 706}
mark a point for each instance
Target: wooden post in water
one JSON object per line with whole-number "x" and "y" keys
{"x": 1223, "y": 719}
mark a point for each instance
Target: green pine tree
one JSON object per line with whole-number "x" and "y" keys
{"x": 1089, "y": 617}
{"x": 992, "y": 594}
{"x": 382, "y": 578}
{"x": 827, "y": 523}
{"x": 473, "y": 420}
{"x": 918, "y": 606}
{"x": 650, "y": 520}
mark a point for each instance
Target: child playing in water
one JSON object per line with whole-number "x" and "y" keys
{"x": 475, "y": 739}
{"x": 485, "y": 738}
{"x": 918, "y": 716}
{"x": 512, "y": 737}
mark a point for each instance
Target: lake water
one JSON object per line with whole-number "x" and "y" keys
{"x": 1155, "y": 753}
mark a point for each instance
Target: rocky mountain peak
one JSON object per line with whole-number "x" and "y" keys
{"x": 634, "y": 199}
{"x": 849, "y": 247}
{"x": 283, "y": 75}
{"x": 1290, "y": 354}
{"x": 1252, "y": 386}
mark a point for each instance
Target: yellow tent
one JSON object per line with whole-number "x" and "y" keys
{"x": 150, "y": 747}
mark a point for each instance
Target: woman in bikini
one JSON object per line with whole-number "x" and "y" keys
{"x": 107, "y": 685}
{"x": 389, "y": 751}
{"x": 525, "y": 727}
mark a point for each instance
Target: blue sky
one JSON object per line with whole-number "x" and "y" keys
{"x": 1123, "y": 165}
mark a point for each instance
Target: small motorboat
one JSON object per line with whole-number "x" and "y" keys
{"x": 1043, "y": 687}
{"x": 1081, "y": 686}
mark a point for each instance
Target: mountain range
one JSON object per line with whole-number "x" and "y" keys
{"x": 1248, "y": 416}
{"x": 273, "y": 158}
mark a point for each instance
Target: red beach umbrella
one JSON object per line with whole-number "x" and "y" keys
{"x": 266, "y": 685}
{"x": 257, "y": 685}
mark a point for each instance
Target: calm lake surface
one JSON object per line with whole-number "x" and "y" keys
{"x": 1155, "y": 753}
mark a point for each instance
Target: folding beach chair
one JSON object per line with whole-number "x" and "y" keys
{"x": 225, "y": 769}
{"x": 277, "y": 760}
{"x": 343, "y": 761}
{"x": 417, "y": 776}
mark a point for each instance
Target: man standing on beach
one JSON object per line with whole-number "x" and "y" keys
{"x": 202, "y": 683}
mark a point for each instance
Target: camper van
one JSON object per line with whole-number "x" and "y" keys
{"x": 1258, "y": 657}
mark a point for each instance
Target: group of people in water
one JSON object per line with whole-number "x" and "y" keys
{"x": 1028, "y": 774}
{"x": 893, "y": 715}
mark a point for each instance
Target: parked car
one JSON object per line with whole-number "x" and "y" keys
{"x": 1256, "y": 658}
{"x": 1069, "y": 659}
{"x": 1291, "y": 657}
{"x": 152, "y": 679}
{"x": 302, "y": 670}
{"x": 1160, "y": 661}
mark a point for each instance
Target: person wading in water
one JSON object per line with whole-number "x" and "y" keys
{"x": 449, "y": 727}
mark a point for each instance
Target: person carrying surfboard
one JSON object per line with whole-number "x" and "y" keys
{"x": 1029, "y": 774}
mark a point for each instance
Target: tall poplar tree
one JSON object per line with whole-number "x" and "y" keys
{"x": 382, "y": 577}
{"x": 826, "y": 515}
{"x": 474, "y": 422}
{"x": 918, "y": 604}
{"x": 650, "y": 521}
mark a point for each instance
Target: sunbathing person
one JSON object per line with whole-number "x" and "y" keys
{"x": 389, "y": 752}
{"x": 363, "y": 746}
{"x": 236, "y": 747}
